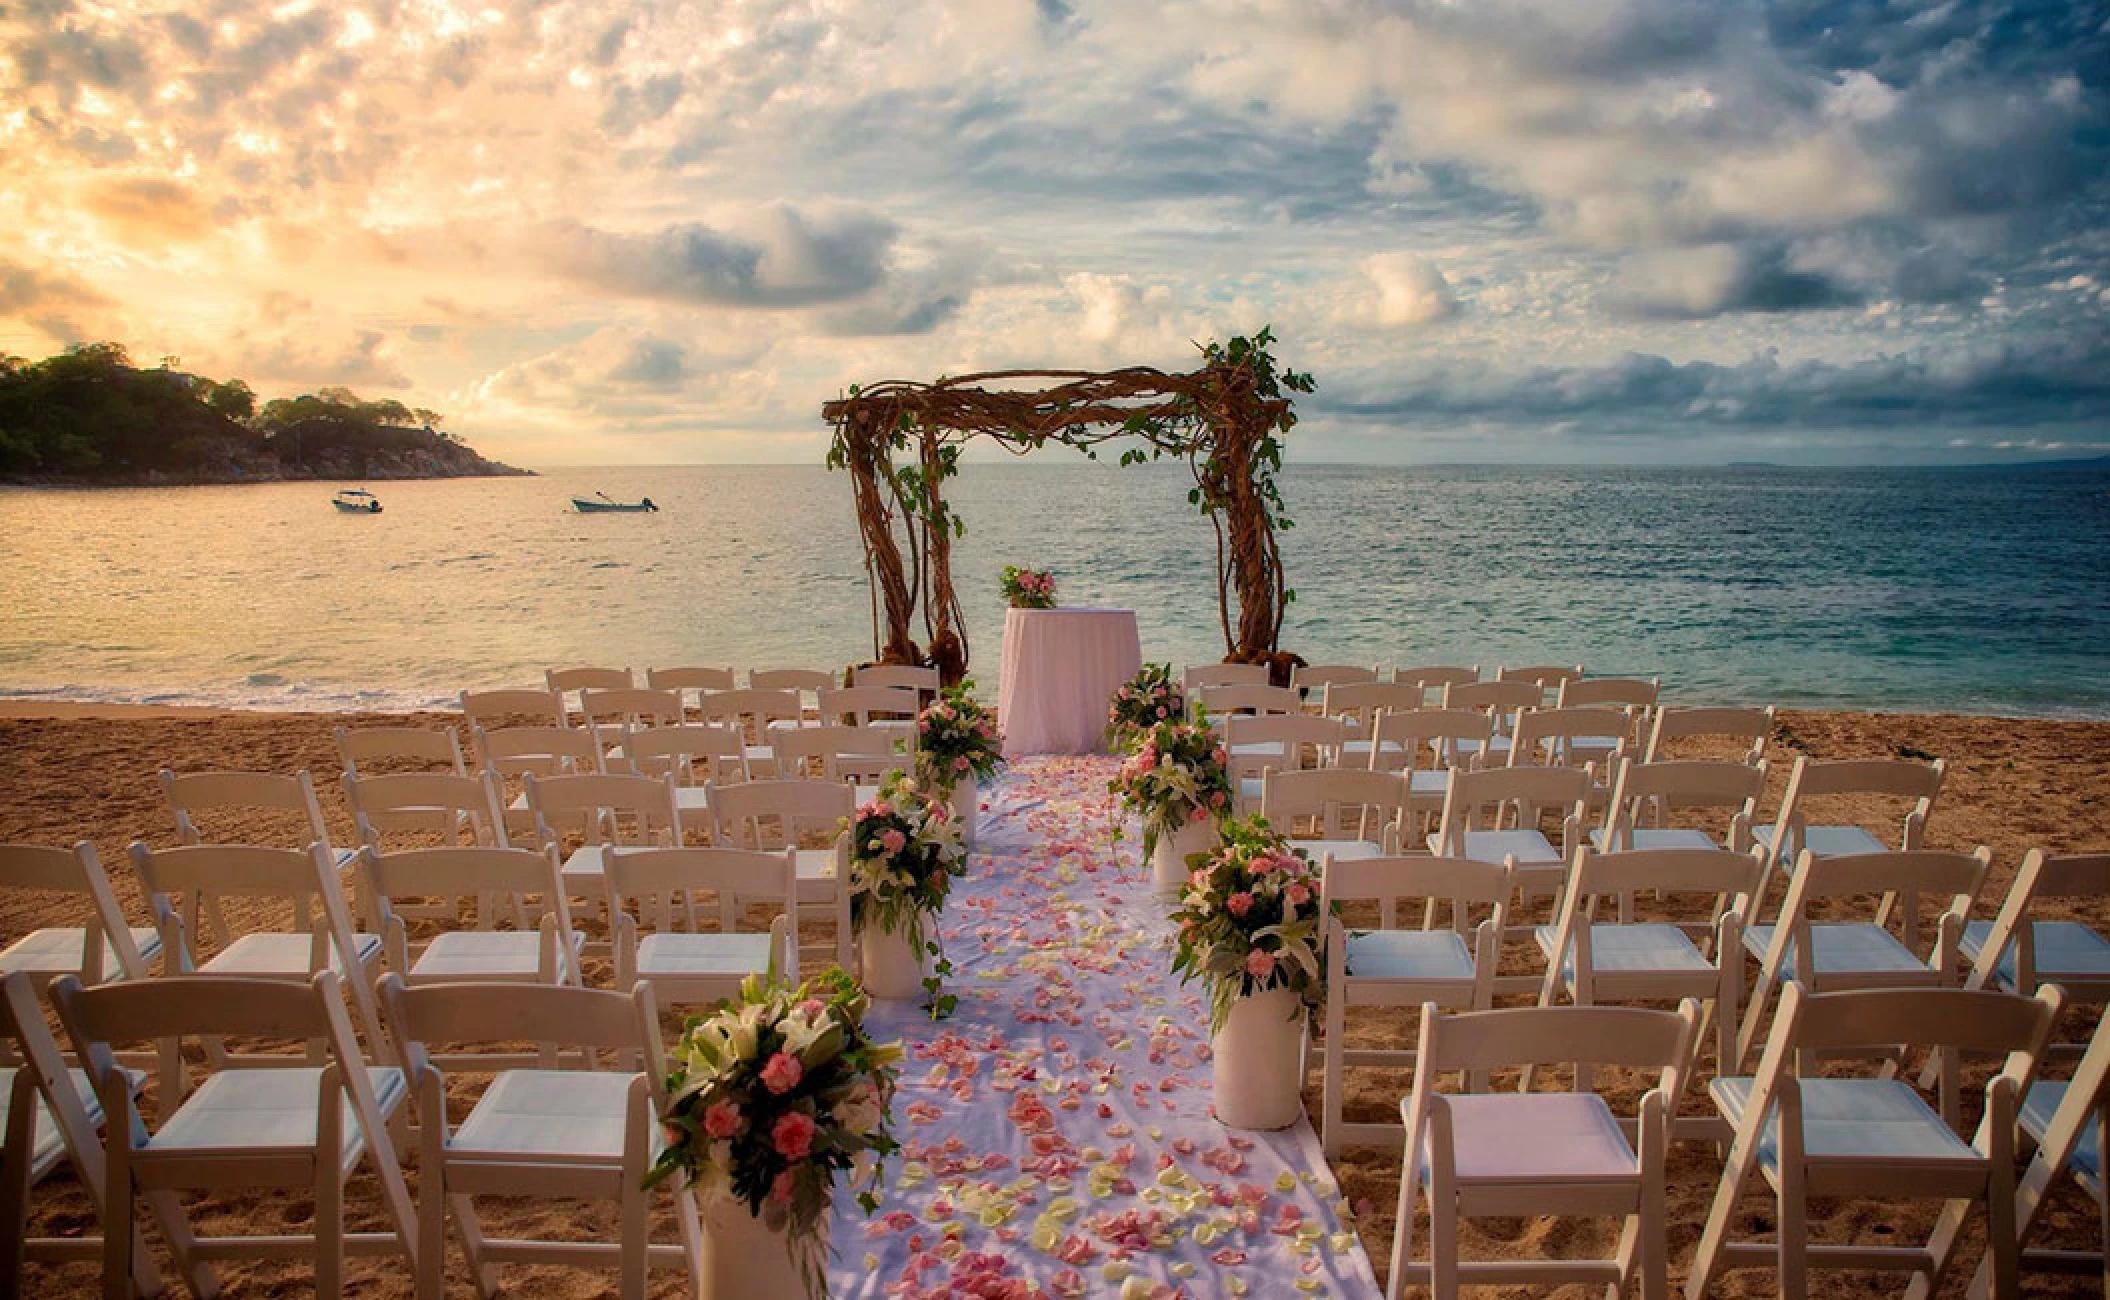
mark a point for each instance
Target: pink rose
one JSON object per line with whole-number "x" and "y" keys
{"x": 722, "y": 1119}
{"x": 1239, "y": 903}
{"x": 960, "y": 764}
{"x": 1263, "y": 864}
{"x": 783, "y": 1073}
{"x": 893, "y": 841}
{"x": 1161, "y": 710}
{"x": 1298, "y": 894}
{"x": 793, "y": 1135}
{"x": 1216, "y": 800}
{"x": 1198, "y": 815}
{"x": 1259, "y": 964}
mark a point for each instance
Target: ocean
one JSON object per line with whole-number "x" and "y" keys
{"x": 1976, "y": 591}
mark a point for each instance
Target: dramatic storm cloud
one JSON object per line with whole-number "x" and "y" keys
{"x": 1567, "y": 229}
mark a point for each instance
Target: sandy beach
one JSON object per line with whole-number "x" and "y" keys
{"x": 69, "y": 772}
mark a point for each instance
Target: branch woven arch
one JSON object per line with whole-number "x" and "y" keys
{"x": 900, "y": 440}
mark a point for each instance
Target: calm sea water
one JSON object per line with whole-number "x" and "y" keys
{"x": 1972, "y": 591}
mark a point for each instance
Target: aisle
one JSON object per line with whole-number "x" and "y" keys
{"x": 1057, "y": 1132}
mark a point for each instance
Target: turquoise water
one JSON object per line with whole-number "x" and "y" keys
{"x": 1971, "y": 591}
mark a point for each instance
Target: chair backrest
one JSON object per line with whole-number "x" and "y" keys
{"x": 690, "y": 679}
{"x": 752, "y": 709}
{"x": 606, "y": 809}
{"x": 626, "y": 1025}
{"x": 492, "y": 709}
{"x": 1549, "y": 735}
{"x": 398, "y": 747}
{"x": 1645, "y": 794}
{"x": 1477, "y": 1042}
{"x": 186, "y": 882}
{"x": 1630, "y": 692}
{"x": 861, "y": 705}
{"x": 1344, "y": 802}
{"x": 210, "y": 792}
{"x": 1719, "y": 873}
{"x": 564, "y": 681}
{"x": 773, "y": 814}
{"x": 43, "y": 1066}
{"x": 1547, "y": 677}
{"x": 1752, "y": 726}
{"x": 906, "y": 675}
{"x": 1890, "y": 777}
{"x": 1505, "y": 698}
{"x": 1390, "y": 881}
{"x": 1434, "y": 679}
{"x": 1413, "y": 731}
{"x": 1486, "y": 799}
{"x": 653, "y": 880}
{"x": 835, "y": 753}
{"x": 1317, "y": 677}
{"x": 1218, "y": 701}
{"x": 1197, "y": 676}
{"x": 606, "y": 706}
{"x": 432, "y": 803}
{"x": 1953, "y": 878}
{"x": 1360, "y": 702}
{"x": 1291, "y": 738}
{"x": 478, "y": 872}
{"x": 693, "y": 753}
{"x": 545, "y": 751}
{"x": 78, "y": 870}
{"x": 790, "y": 679}
{"x": 2041, "y": 877}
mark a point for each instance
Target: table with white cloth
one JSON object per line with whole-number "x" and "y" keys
{"x": 1061, "y": 669}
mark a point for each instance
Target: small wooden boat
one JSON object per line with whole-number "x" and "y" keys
{"x": 357, "y": 501}
{"x": 602, "y": 503}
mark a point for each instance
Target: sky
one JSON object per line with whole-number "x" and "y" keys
{"x": 604, "y": 231}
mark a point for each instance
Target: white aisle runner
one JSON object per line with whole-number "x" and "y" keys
{"x": 1056, "y": 1130}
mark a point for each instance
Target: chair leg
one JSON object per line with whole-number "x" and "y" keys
{"x": 2002, "y": 1250}
{"x": 14, "y": 1182}
{"x": 118, "y": 1238}
{"x": 432, "y": 1227}
{"x": 636, "y": 1230}
{"x": 688, "y": 1216}
{"x": 471, "y": 1229}
{"x": 1443, "y": 1243}
{"x": 1793, "y": 1247}
{"x": 1402, "y": 1234}
{"x": 329, "y": 1230}
{"x": 1331, "y": 1083}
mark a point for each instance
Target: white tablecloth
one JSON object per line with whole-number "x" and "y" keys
{"x": 1061, "y": 669}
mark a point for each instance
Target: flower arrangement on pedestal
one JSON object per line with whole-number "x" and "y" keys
{"x": 1178, "y": 775}
{"x": 1251, "y": 929}
{"x": 772, "y": 1097}
{"x": 1028, "y": 588}
{"x": 957, "y": 741}
{"x": 1144, "y": 701}
{"x": 904, "y": 851}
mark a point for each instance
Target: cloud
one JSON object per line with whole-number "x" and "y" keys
{"x": 1410, "y": 290}
{"x": 27, "y": 289}
{"x": 365, "y": 359}
{"x": 148, "y": 209}
{"x": 1710, "y": 280}
{"x": 788, "y": 259}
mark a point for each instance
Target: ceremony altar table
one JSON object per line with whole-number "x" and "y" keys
{"x": 1061, "y": 669}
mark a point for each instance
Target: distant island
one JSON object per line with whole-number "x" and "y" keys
{"x": 89, "y": 417}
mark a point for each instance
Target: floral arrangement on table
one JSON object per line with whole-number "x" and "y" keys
{"x": 1249, "y": 920}
{"x": 956, "y": 738}
{"x": 1179, "y": 773}
{"x": 1028, "y": 588}
{"x": 905, "y": 851}
{"x": 1144, "y": 700}
{"x": 772, "y": 1096}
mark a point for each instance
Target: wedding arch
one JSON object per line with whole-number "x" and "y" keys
{"x": 1225, "y": 419}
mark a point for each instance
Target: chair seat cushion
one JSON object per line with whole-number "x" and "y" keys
{"x": 1843, "y": 948}
{"x": 1529, "y": 847}
{"x": 2038, "y": 1105}
{"x": 2068, "y": 948}
{"x": 702, "y": 954}
{"x": 690, "y": 799}
{"x": 1659, "y": 837}
{"x": 1646, "y": 948}
{"x": 1361, "y": 749}
{"x": 58, "y": 951}
{"x": 1829, "y": 841}
{"x": 49, "y": 1145}
{"x": 1342, "y": 850}
{"x": 484, "y": 954}
{"x": 1409, "y": 955}
{"x": 1854, "y": 1121}
{"x": 1552, "y": 1137}
{"x": 267, "y": 1110}
{"x": 280, "y": 953}
{"x": 531, "y": 1114}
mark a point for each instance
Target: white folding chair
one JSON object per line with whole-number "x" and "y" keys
{"x": 1753, "y": 727}
{"x": 1357, "y": 704}
{"x": 437, "y": 807}
{"x": 571, "y": 1134}
{"x": 630, "y": 811}
{"x": 1396, "y": 966}
{"x": 805, "y": 684}
{"x": 1434, "y": 679}
{"x": 2020, "y": 954}
{"x": 202, "y": 795}
{"x": 1493, "y": 815}
{"x": 1500, "y": 700}
{"x": 493, "y": 710}
{"x": 1549, "y": 678}
{"x": 1479, "y": 1154}
{"x": 777, "y": 815}
{"x": 696, "y": 755}
{"x": 502, "y": 880}
{"x": 908, "y": 675}
{"x": 110, "y": 948}
{"x": 1645, "y": 796}
{"x": 391, "y": 749}
{"x": 1423, "y": 745}
{"x": 295, "y": 1130}
{"x": 1637, "y": 693}
{"x": 1811, "y": 1136}
{"x": 53, "y": 1115}
{"x": 570, "y": 684}
{"x": 1897, "y": 778}
{"x": 889, "y": 707}
{"x": 837, "y": 753}
{"x": 1575, "y": 736}
{"x": 1833, "y": 955}
{"x": 692, "y": 681}
{"x": 1354, "y": 812}
{"x": 1276, "y": 742}
{"x": 687, "y": 967}
{"x": 1220, "y": 702}
{"x": 756, "y": 713}
{"x": 1197, "y": 676}
{"x": 609, "y": 712}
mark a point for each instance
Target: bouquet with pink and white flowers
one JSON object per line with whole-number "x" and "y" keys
{"x": 774, "y": 1095}
{"x": 1145, "y": 700}
{"x": 905, "y": 850}
{"x": 1178, "y": 774}
{"x": 1028, "y": 588}
{"x": 957, "y": 740}
{"x": 1249, "y": 920}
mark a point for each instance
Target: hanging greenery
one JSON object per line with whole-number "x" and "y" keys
{"x": 1225, "y": 420}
